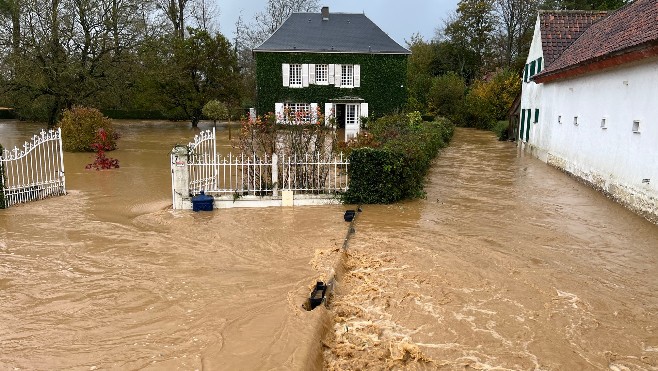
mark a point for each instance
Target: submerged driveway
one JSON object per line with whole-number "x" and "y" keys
{"x": 507, "y": 264}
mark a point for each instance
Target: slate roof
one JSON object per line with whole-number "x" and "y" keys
{"x": 632, "y": 27}
{"x": 341, "y": 33}
{"x": 559, "y": 29}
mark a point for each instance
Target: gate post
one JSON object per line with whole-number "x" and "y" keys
{"x": 275, "y": 175}
{"x": 180, "y": 177}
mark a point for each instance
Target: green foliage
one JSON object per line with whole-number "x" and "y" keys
{"x": 394, "y": 168}
{"x": 446, "y": 95}
{"x": 470, "y": 36}
{"x": 488, "y": 101}
{"x": 501, "y": 129}
{"x": 3, "y": 205}
{"x": 383, "y": 78}
{"x": 195, "y": 70}
{"x": 134, "y": 114}
{"x": 80, "y": 127}
{"x": 583, "y": 4}
{"x": 215, "y": 110}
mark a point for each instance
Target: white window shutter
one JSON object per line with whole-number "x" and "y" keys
{"x": 285, "y": 71}
{"x": 332, "y": 69}
{"x": 357, "y": 76}
{"x": 364, "y": 110}
{"x": 339, "y": 70}
{"x": 304, "y": 75}
{"x": 278, "y": 112}
{"x": 328, "y": 112}
{"x": 314, "y": 113}
{"x": 311, "y": 74}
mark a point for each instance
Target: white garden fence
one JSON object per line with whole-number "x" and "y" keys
{"x": 34, "y": 172}
{"x": 243, "y": 176}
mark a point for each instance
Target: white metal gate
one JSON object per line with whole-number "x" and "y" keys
{"x": 243, "y": 176}
{"x": 34, "y": 172}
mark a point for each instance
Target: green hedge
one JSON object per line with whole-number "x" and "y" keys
{"x": 2, "y": 181}
{"x": 396, "y": 169}
{"x": 118, "y": 114}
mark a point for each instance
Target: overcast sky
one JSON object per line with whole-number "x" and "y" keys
{"x": 399, "y": 18}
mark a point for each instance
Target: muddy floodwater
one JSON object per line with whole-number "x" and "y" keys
{"x": 507, "y": 264}
{"x": 108, "y": 277}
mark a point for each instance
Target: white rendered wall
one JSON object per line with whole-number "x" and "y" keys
{"x": 531, "y": 92}
{"x": 615, "y": 159}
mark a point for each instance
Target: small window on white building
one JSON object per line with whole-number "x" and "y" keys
{"x": 322, "y": 74}
{"x": 295, "y": 75}
{"x": 347, "y": 75}
{"x": 559, "y": 119}
{"x": 604, "y": 123}
{"x": 636, "y": 126}
{"x": 575, "y": 120}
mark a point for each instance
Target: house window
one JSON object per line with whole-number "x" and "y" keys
{"x": 321, "y": 73}
{"x": 636, "y": 126}
{"x": 536, "y": 115}
{"x": 347, "y": 75}
{"x": 575, "y": 120}
{"x": 297, "y": 112}
{"x": 559, "y": 119}
{"x": 295, "y": 75}
{"x": 604, "y": 123}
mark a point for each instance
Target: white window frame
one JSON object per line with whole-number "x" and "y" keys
{"x": 346, "y": 75}
{"x": 295, "y": 76}
{"x": 322, "y": 74}
{"x": 292, "y": 109}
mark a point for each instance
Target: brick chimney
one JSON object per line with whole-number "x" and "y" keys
{"x": 325, "y": 13}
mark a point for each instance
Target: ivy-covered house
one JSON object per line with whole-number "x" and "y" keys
{"x": 340, "y": 65}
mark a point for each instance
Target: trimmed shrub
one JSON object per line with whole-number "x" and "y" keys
{"x": 395, "y": 170}
{"x": 80, "y": 126}
{"x": 501, "y": 130}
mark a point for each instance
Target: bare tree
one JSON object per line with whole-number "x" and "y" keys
{"x": 268, "y": 20}
{"x": 516, "y": 22}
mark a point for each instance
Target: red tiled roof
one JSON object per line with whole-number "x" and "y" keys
{"x": 628, "y": 34}
{"x": 559, "y": 29}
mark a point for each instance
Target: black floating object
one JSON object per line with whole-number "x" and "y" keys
{"x": 202, "y": 202}
{"x": 349, "y": 215}
{"x": 317, "y": 295}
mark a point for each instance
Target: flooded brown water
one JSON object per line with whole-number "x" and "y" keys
{"x": 108, "y": 278}
{"x": 507, "y": 265}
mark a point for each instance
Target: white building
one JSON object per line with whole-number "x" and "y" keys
{"x": 589, "y": 102}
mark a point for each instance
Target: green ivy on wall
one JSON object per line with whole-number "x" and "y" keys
{"x": 382, "y": 81}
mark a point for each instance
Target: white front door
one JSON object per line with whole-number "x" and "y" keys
{"x": 352, "y": 120}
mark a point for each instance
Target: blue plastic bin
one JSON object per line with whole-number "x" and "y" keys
{"x": 202, "y": 202}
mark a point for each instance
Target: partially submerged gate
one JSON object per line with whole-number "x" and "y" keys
{"x": 249, "y": 180}
{"x": 34, "y": 172}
